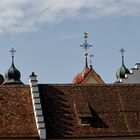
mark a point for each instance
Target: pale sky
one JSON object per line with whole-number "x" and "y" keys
{"x": 47, "y": 35}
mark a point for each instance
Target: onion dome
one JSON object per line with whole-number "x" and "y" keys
{"x": 122, "y": 70}
{"x": 12, "y": 76}
{"x": 1, "y": 79}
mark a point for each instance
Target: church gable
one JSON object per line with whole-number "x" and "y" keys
{"x": 92, "y": 77}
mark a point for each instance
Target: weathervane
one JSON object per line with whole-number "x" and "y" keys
{"x": 85, "y": 35}
{"x": 85, "y": 45}
{"x": 12, "y": 51}
{"x": 91, "y": 56}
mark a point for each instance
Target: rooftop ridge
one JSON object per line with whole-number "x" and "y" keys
{"x": 14, "y": 85}
{"x": 94, "y": 85}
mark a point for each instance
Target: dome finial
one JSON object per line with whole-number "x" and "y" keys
{"x": 122, "y": 53}
{"x": 12, "y": 76}
{"x": 12, "y": 51}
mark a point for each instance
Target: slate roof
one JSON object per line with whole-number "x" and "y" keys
{"x": 16, "y": 112}
{"x": 114, "y": 108}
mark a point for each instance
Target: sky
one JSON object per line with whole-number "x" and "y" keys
{"x": 47, "y": 35}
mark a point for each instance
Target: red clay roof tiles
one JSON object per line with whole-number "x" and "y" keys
{"x": 16, "y": 112}
{"x": 115, "y": 110}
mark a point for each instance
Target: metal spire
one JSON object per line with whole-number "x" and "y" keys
{"x": 12, "y": 51}
{"x": 91, "y": 56}
{"x": 85, "y": 46}
{"x": 122, "y": 53}
{"x": 86, "y": 62}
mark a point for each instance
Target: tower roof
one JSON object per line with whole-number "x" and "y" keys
{"x": 88, "y": 73}
{"x": 80, "y": 76}
{"x": 122, "y": 70}
{"x": 12, "y": 76}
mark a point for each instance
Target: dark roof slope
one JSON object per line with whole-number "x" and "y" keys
{"x": 16, "y": 112}
{"x": 114, "y": 109}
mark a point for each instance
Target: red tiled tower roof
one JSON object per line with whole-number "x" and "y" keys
{"x": 80, "y": 76}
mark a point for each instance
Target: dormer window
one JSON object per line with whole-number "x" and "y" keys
{"x": 92, "y": 119}
{"x": 85, "y": 120}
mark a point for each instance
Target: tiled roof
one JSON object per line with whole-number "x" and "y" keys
{"x": 114, "y": 108}
{"x": 16, "y": 112}
{"x": 80, "y": 76}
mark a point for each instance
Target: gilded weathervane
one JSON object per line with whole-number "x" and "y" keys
{"x": 85, "y": 45}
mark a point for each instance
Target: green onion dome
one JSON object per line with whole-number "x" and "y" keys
{"x": 12, "y": 76}
{"x": 121, "y": 72}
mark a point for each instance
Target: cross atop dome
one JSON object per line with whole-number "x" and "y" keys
{"x": 122, "y": 51}
{"x": 12, "y": 51}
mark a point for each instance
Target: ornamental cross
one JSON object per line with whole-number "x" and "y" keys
{"x": 12, "y": 51}
{"x": 122, "y": 51}
{"x": 85, "y": 45}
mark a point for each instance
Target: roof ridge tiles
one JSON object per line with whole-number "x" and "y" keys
{"x": 93, "y": 85}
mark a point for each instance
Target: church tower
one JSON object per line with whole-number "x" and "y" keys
{"x": 88, "y": 75}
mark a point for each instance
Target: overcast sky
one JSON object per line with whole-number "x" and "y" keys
{"x": 47, "y": 33}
